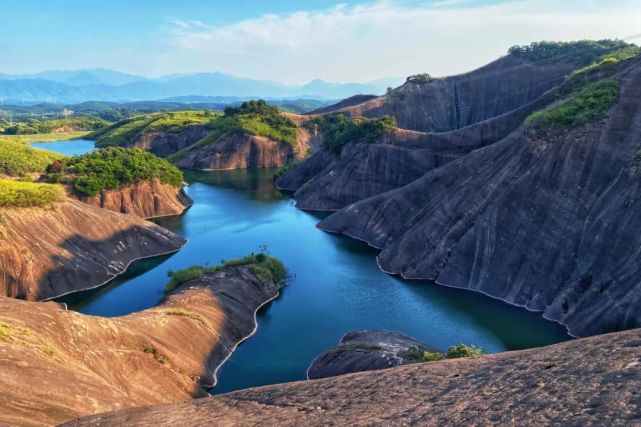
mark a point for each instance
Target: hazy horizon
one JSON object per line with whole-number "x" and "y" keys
{"x": 293, "y": 43}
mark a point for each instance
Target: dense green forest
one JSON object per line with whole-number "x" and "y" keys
{"x": 339, "y": 130}
{"x": 111, "y": 168}
{"x": 581, "y": 52}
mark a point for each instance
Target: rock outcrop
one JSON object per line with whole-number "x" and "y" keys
{"x": 166, "y": 143}
{"x": 586, "y": 382}
{"x": 69, "y": 246}
{"x": 238, "y": 150}
{"x": 56, "y": 365}
{"x": 542, "y": 220}
{"x": 145, "y": 199}
{"x": 367, "y": 351}
{"x": 450, "y": 103}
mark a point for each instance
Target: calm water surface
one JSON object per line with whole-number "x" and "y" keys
{"x": 69, "y": 148}
{"x": 335, "y": 285}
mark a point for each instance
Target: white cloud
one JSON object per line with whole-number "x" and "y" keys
{"x": 358, "y": 43}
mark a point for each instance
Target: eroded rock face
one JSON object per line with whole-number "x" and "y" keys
{"x": 544, "y": 221}
{"x": 69, "y": 246}
{"x": 145, "y": 199}
{"x": 366, "y": 351}
{"x": 455, "y": 102}
{"x": 592, "y": 381}
{"x": 164, "y": 144}
{"x": 56, "y": 365}
{"x": 238, "y": 150}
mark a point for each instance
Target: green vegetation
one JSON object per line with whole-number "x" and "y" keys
{"x": 8, "y": 332}
{"x": 463, "y": 350}
{"x": 110, "y": 169}
{"x": 24, "y": 194}
{"x": 338, "y": 130}
{"x": 585, "y": 104}
{"x": 18, "y": 159}
{"x": 129, "y": 130}
{"x": 420, "y": 79}
{"x": 150, "y": 349}
{"x": 189, "y": 314}
{"x": 254, "y": 117}
{"x": 287, "y": 168}
{"x": 416, "y": 354}
{"x": 265, "y": 267}
{"x": 609, "y": 61}
{"x": 42, "y": 137}
{"x": 581, "y": 52}
{"x": 75, "y": 124}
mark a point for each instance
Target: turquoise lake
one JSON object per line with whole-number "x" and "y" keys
{"x": 334, "y": 287}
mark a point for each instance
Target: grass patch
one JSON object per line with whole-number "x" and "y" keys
{"x": 585, "y": 104}
{"x": 42, "y": 137}
{"x": 338, "y": 130}
{"x": 464, "y": 350}
{"x": 127, "y": 131}
{"x": 265, "y": 267}
{"x": 110, "y": 169}
{"x": 24, "y": 194}
{"x": 17, "y": 159}
{"x": 189, "y": 314}
{"x": 608, "y": 61}
{"x": 150, "y": 349}
{"x": 9, "y": 332}
{"x": 416, "y": 354}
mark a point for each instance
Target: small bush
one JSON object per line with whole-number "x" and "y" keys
{"x": 585, "y": 104}
{"x": 420, "y": 79}
{"x": 463, "y": 350}
{"x": 112, "y": 168}
{"x": 24, "y": 194}
{"x": 189, "y": 314}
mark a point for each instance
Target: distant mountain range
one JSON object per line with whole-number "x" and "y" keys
{"x": 60, "y": 86}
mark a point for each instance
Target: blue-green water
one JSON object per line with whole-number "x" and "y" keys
{"x": 335, "y": 285}
{"x": 69, "y": 148}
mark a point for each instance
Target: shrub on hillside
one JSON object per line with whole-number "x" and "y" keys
{"x": 18, "y": 159}
{"x": 24, "y": 194}
{"x": 338, "y": 130}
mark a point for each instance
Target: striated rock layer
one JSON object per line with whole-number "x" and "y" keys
{"x": 56, "y": 365}
{"x": 544, "y": 220}
{"x": 145, "y": 199}
{"x": 69, "y": 246}
{"x": 592, "y": 381}
{"x": 372, "y": 350}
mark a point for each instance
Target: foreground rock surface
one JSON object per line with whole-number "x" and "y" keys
{"x": 69, "y": 246}
{"x": 365, "y": 351}
{"x": 593, "y": 381}
{"x": 56, "y": 365}
{"x": 145, "y": 199}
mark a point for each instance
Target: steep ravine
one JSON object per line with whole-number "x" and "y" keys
{"x": 69, "y": 246}
{"x": 540, "y": 220}
{"x": 593, "y": 381}
{"x": 56, "y": 365}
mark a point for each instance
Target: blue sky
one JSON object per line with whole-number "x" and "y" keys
{"x": 293, "y": 41}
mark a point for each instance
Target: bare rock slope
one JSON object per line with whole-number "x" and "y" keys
{"x": 145, "y": 199}
{"x": 545, "y": 221}
{"x": 56, "y": 365}
{"x": 369, "y": 350}
{"x": 69, "y": 246}
{"x": 586, "y": 382}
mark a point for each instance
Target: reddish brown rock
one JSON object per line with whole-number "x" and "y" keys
{"x": 586, "y": 382}
{"x": 69, "y": 246}
{"x": 56, "y": 365}
{"x": 145, "y": 199}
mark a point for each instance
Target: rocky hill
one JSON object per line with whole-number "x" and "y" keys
{"x": 56, "y": 365}
{"x": 584, "y": 382}
{"x": 51, "y": 250}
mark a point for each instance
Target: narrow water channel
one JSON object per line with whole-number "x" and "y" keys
{"x": 335, "y": 285}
